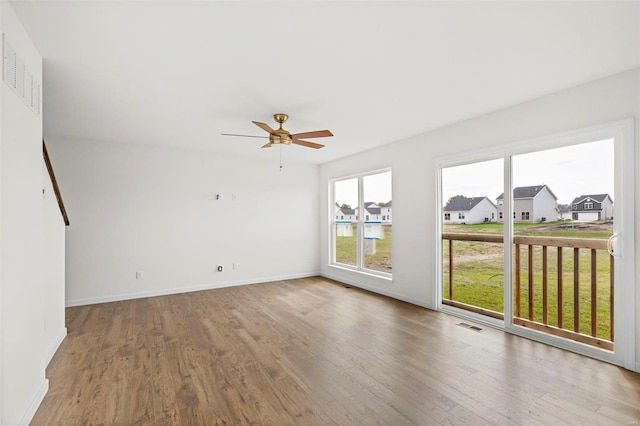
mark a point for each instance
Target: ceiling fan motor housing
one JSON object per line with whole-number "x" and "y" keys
{"x": 280, "y": 136}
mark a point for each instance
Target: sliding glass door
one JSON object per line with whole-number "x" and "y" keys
{"x": 554, "y": 264}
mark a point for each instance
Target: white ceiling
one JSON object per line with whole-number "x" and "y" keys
{"x": 180, "y": 73}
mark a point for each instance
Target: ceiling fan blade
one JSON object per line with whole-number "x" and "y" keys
{"x": 264, "y": 127}
{"x": 307, "y": 144}
{"x": 316, "y": 134}
{"x": 244, "y": 136}
{"x": 267, "y": 145}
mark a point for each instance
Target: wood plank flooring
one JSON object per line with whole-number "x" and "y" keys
{"x": 312, "y": 352}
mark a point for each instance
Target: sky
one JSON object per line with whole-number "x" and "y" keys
{"x": 569, "y": 172}
{"x": 377, "y": 188}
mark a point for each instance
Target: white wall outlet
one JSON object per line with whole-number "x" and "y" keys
{"x": 139, "y": 275}
{"x": 219, "y": 268}
{"x": 218, "y": 196}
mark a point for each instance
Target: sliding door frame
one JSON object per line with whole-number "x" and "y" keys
{"x": 622, "y": 132}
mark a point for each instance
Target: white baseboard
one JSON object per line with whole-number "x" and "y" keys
{"x": 35, "y": 403}
{"x": 387, "y": 293}
{"x": 211, "y": 286}
{"x": 52, "y": 350}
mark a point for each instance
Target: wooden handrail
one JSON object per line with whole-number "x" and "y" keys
{"x": 54, "y": 182}
{"x": 529, "y": 240}
{"x": 521, "y": 241}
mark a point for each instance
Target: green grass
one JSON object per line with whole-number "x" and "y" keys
{"x": 346, "y": 251}
{"x": 478, "y": 275}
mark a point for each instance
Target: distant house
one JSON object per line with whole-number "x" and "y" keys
{"x": 372, "y": 212}
{"x": 346, "y": 215}
{"x": 344, "y": 219}
{"x": 385, "y": 210}
{"x": 470, "y": 210}
{"x": 531, "y": 204}
{"x": 592, "y": 207}
{"x": 564, "y": 212}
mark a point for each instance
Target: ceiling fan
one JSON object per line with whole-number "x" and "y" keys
{"x": 282, "y": 136}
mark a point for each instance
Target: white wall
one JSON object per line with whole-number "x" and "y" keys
{"x": 137, "y": 208}
{"x": 414, "y": 186}
{"x": 30, "y": 328}
{"x": 52, "y": 264}
{"x": 1, "y": 285}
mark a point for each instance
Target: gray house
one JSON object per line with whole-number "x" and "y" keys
{"x": 470, "y": 210}
{"x": 531, "y": 204}
{"x": 592, "y": 207}
{"x": 564, "y": 211}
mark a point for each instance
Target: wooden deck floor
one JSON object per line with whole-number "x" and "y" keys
{"x": 312, "y": 351}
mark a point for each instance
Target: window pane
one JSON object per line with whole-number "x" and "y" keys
{"x": 473, "y": 253}
{"x": 565, "y": 194}
{"x": 346, "y": 218}
{"x": 378, "y": 214}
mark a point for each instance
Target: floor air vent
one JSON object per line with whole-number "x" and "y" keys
{"x": 469, "y": 326}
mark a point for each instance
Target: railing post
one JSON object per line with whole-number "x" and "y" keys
{"x": 594, "y": 294}
{"x": 530, "y": 282}
{"x": 450, "y": 269}
{"x": 576, "y": 290}
{"x": 545, "y": 290}
{"x": 517, "y": 281}
{"x": 560, "y": 289}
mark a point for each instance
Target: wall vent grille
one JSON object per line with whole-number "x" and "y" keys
{"x": 19, "y": 78}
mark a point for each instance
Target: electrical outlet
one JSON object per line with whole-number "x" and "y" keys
{"x": 219, "y": 268}
{"x": 139, "y": 275}
{"x": 218, "y": 196}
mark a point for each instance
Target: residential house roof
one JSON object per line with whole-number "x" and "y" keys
{"x": 596, "y": 197}
{"x": 373, "y": 210}
{"x": 348, "y": 211}
{"x": 527, "y": 192}
{"x": 564, "y": 208}
{"x": 463, "y": 204}
{"x": 386, "y": 204}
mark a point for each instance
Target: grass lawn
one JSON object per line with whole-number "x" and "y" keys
{"x": 346, "y": 251}
{"x": 478, "y": 274}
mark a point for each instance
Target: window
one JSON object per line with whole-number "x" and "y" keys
{"x": 524, "y": 216}
{"x": 575, "y": 207}
{"x": 447, "y": 216}
{"x": 588, "y": 206}
{"x": 364, "y": 245}
{"x": 341, "y": 217}
{"x": 460, "y": 215}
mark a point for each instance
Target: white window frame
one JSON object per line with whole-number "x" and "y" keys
{"x": 622, "y": 132}
{"x": 588, "y": 205}
{"x": 359, "y": 268}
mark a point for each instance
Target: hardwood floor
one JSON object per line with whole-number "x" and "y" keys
{"x": 312, "y": 351}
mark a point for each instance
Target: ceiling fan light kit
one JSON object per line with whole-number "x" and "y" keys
{"x": 283, "y": 137}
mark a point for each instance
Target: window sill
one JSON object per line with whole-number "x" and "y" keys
{"x": 387, "y": 278}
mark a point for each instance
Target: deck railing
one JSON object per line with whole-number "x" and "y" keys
{"x": 540, "y": 245}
